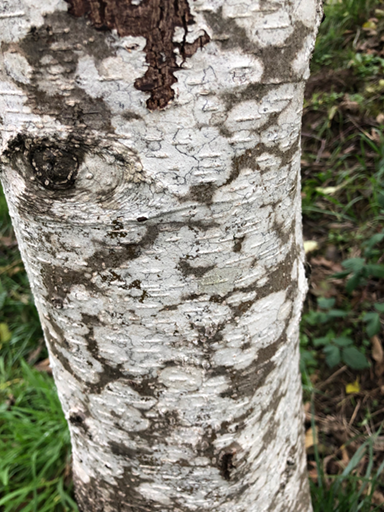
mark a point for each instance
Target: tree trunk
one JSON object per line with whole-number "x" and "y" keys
{"x": 150, "y": 160}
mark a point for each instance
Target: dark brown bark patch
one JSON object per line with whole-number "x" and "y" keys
{"x": 155, "y": 20}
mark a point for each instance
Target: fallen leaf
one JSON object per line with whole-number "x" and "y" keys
{"x": 369, "y": 25}
{"x": 378, "y": 498}
{"x": 379, "y": 444}
{"x": 380, "y": 118}
{"x": 345, "y": 456}
{"x": 312, "y": 473}
{"x": 335, "y": 267}
{"x": 8, "y": 241}
{"x": 311, "y": 439}
{"x": 328, "y": 191}
{"x": 352, "y": 388}
{"x": 310, "y": 246}
{"x": 377, "y": 349}
{"x": 44, "y": 366}
{"x": 35, "y": 353}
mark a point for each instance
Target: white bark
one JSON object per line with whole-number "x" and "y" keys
{"x": 169, "y": 276}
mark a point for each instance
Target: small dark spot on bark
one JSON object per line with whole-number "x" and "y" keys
{"x": 226, "y": 465}
{"x": 227, "y": 460}
{"x": 202, "y": 193}
{"x": 57, "y": 302}
{"x": 135, "y": 284}
{"x": 187, "y": 269}
{"x": 77, "y": 419}
{"x": 155, "y": 20}
{"x": 129, "y": 116}
{"x": 238, "y": 243}
{"x": 141, "y": 219}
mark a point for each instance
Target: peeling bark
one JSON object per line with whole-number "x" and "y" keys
{"x": 155, "y": 20}
{"x": 150, "y": 160}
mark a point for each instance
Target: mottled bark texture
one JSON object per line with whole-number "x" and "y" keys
{"x": 150, "y": 159}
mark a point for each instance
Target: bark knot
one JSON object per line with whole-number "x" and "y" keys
{"x": 53, "y": 167}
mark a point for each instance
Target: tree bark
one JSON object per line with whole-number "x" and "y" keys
{"x": 150, "y": 160}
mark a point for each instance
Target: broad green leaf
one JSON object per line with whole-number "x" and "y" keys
{"x": 307, "y": 359}
{"x": 375, "y": 270}
{"x": 337, "y": 313}
{"x": 379, "y": 307}
{"x": 354, "y": 264}
{"x": 353, "y": 283}
{"x": 373, "y": 323}
{"x": 324, "y": 303}
{"x": 354, "y": 359}
{"x": 332, "y": 355}
{"x": 342, "y": 274}
{"x": 343, "y": 341}
{"x": 375, "y": 239}
{"x": 318, "y": 342}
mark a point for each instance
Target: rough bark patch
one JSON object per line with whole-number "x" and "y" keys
{"x": 60, "y": 42}
{"x": 155, "y": 20}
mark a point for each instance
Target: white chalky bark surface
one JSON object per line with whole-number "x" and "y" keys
{"x": 169, "y": 278}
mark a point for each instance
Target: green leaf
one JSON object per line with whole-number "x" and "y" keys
{"x": 337, "y": 313}
{"x": 342, "y": 274}
{"x": 354, "y": 359}
{"x": 343, "y": 341}
{"x": 318, "y": 342}
{"x": 3, "y": 296}
{"x": 375, "y": 271}
{"x": 375, "y": 239}
{"x": 324, "y": 303}
{"x": 312, "y": 317}
{"x": 307, "y": 359}
{"x": 379, "y": 307}
{"x": 373, "y": 323}
{"x": 323, "y": 317}
{"x": 332, "y": 355}
{"x": 353, "y": 283}
{"x": 354, "y": 264}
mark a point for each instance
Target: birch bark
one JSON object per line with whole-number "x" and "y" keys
{"x": 150, "y": 160}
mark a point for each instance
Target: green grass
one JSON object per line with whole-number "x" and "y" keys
{"x": 343, "y": 191}
{"x": 343, "y": 21}
{"x": 34, "y": 444}
{"x": 347, "y": 492}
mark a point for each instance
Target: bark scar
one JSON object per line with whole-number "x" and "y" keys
{"x": 155, "y": 20}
